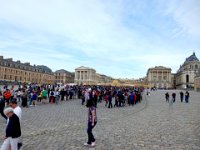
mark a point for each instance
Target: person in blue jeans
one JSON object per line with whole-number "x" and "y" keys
{"x": 92, "y": 121}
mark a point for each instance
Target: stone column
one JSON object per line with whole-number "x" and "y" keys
{"x": 80, "y": 75}
{"x": 157, "y": 75}
{"x": 87, "y": 75}
{"x": 90, "y": 77}
{"x": 75, "y": 75}
{"x": 168, "y": 77}
{"x": 84, "y": 76}
{"x": 157, "y": 82}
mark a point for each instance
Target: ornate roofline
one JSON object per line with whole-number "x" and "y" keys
{"x": 191, "y": 58}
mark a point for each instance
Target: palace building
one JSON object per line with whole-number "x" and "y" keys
{"x": 15, "y": 71}
{"x": 64, "y": 77}
{"x": 85, "y": 76}
{"x": 185, "y": 77}
{"x": 88, "y": 76}
{"x": 159, "y": 77}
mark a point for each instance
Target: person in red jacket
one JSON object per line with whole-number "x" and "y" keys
{"x": 7, "y": 95}
{"x": 135, "y": 98}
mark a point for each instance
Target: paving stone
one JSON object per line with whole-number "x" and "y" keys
{"x": 152, "y": 124}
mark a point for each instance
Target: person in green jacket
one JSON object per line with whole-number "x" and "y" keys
{"x": 44, "y": 95}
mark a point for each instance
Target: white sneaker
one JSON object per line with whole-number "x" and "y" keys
{"x": 86, "y": 144}
{"x": 93, "y": 144}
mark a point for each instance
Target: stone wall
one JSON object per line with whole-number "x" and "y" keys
{"x": 197, "y": 83}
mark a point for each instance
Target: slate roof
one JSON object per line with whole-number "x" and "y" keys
{"x": 191, "y": 58}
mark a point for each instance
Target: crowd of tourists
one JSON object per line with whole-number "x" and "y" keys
{"x": 30, "y": 95}
{"x": 113, "y": 96}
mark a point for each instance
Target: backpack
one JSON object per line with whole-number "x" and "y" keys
{"x": 7, "y": 95}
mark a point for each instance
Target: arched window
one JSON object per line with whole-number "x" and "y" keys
{"x": 196, "y": 66}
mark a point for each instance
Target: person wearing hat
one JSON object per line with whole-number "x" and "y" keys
{"x": 12, "y": 132}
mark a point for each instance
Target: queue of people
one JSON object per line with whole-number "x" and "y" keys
{"x": 113, "y": 96}
{"x": 30, "y": 95}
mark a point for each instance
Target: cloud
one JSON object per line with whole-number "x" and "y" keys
{"x": 185, "y": 13}
{"x": 120, "y": 38}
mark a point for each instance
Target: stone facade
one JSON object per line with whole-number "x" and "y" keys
{"x": 85, "y": 76}
{"x": 123, "y": 82}
{"x": 173, "y": 80}
{"x": 64, "y": 77}
{"x": 88, "y": 76}
{"x": 11, "y": 71}
{"x": 103, "y": 79}
{"x": 197, "y": 81}
{"x": 186, "y": 74}
{"x": 159, "y": 77}
{"x": 141, "y": 82}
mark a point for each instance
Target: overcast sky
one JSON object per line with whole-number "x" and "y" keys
{"x": 119, "y": 38}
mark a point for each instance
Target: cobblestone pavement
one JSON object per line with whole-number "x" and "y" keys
{"x": 151, "y": 125}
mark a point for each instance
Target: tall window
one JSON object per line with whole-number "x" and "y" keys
{"x": 187, "y": 78}
{"x": 196, "y": 66}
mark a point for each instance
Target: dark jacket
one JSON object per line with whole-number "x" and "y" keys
{"x": 2, "y": 104}
{"x": 13, "y": 128}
